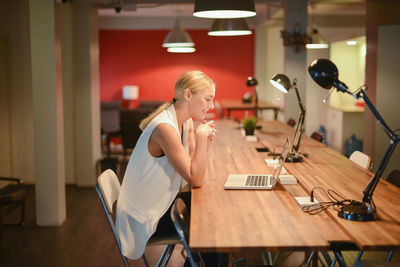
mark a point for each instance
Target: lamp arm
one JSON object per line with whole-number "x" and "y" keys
{"x": 300, "y": 124}
{"x": 389, "y": 132}
{"x": 394, "y": 140}
{"x": 256, "y": 97}
{"x": 299, "y": 132}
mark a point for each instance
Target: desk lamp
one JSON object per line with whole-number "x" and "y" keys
{"x": 282, "y": 83}
{"x": 325, "y": 73}
{"x": 252, "y": 82}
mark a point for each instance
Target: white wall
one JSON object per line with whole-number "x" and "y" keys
{"x": 316, "y": 110}
{"x": 387, "y": 92}
{"x": 67, "y": 40}
{"x": 5, "y": 134}
{"x": 350, "y": 61}
{"x": 268, "y": 62}
{"x": 14, "y": 26}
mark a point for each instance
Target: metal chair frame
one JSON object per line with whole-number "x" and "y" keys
{"x": 169, "y": 241}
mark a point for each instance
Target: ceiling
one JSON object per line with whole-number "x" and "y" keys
{"x": 165, "y": 8}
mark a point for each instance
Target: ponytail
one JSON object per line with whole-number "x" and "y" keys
{"x": 143, "y": 124}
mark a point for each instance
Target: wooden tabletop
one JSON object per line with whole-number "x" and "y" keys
{"x": 237, "y": 220}
{"x": 237, "y": 104}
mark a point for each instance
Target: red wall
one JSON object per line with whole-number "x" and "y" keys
{"x": 135, "y": 57}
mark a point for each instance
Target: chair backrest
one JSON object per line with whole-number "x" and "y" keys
{"x": 361, "y": 159}
{"x": 181, "y": 220}
{"x": 130, "y": 131}
{"x": 394, "y": 177}
{"x": 107, "y": 188}
{"x": 110, "y": 116}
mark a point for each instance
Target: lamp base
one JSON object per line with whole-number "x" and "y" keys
{"x": 293, "y": 158}
{"x": 357, "y": 211}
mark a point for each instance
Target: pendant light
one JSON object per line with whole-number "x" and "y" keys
{"x": 220, "y": 9}
{"x": 181, "y": 49}
{"x": 229, "y": 27}
{"x": 318, "y": 41}
{"x": 178, "y": 37}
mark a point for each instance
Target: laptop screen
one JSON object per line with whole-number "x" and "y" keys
{"x": 285, "y": 152}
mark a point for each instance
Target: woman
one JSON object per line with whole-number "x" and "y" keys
{"x": 171, "y": 147}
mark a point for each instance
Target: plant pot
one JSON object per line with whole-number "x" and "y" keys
{"x": 249, "y": 131}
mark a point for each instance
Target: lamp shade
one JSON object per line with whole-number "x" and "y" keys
{"x": 181, "y": 49}
{"x": 178, "y": 37}
{"x": 281, "y": 82}
{"x": 229, "y": 27}
{"x": 220, "y": 9}
{"x": 323, "y": 72}
{"x": 318, "y": 41}
{"x": 251, "y": 81}
{"x": 130, "y": 92}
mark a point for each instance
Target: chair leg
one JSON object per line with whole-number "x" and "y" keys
{"x": 389, "y": 257}
{"x": 22, "y": 221}
{"x": 310, "y": 258}
{"x": 125, "y": 261}
{"x": 358, "y": 258}
{"x": 145, "y": 261}
{"x": 166, "y": 255}
{"x": 235, "y": 262}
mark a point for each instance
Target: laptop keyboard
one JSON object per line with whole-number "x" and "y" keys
{"x": 258, "y": 180}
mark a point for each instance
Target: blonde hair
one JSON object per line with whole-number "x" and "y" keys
{"x": 193, "y": 80}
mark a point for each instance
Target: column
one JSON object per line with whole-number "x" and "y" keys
{"x": 86, "y": 92}
{"x": 295, "y": 63}
{"x": 47, "y": 114}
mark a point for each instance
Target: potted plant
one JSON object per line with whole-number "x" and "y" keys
{"x": 249, "y": 124}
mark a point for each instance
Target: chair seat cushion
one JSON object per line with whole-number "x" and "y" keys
{"x": 12, "y": 193}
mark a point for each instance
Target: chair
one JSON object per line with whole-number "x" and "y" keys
{"x": 180, "y": 218}
{"x": 110, "y": 125}
{"x": 130, "y": 131}
{"x": 12, "y": 196}
{"x": 361, "y": 159}
{"x": 108, "y": 188}
{"x": 317, "y": 136}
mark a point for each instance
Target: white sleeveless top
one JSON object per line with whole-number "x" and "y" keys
{"x": 149, "y": 187}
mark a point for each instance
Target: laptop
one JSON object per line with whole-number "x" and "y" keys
{"x": 258, "y": 181}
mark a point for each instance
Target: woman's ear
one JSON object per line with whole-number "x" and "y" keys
{"x": 187, "y": 94}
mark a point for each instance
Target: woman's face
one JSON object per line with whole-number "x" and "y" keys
{"x": 201, "y": 103}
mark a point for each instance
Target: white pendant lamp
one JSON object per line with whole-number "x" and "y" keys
{"x": 229, "y": 27}
{"x": 318, "y": 41}
{"x": 222, "y": 9}
{"x": 178, "y": 37}
{"x": 181, "y": 49}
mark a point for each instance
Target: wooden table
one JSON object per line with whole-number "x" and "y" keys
{"x": 235, "y": 104}
{"x": 238, "y": 220}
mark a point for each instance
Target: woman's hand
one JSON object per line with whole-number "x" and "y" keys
{"x": 206, "y": 130}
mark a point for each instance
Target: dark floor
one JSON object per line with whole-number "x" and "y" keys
{"x": 85, "y": 239}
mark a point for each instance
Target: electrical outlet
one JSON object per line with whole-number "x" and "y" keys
{"x": 305, "y": 201}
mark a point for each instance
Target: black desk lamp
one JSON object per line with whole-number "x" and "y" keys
{"x": 282, "y": 83}
{"x": 325, "y": 73}
{"x": 252, "y": 82}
